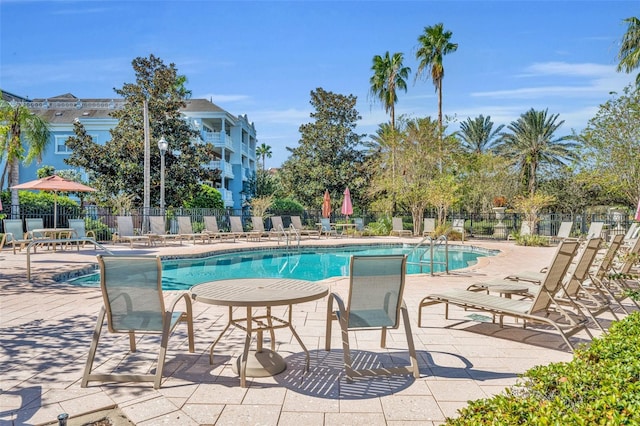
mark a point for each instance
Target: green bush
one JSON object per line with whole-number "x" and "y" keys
{"x": 382, "y": 226}
{"x": 601, "y": 385}
{"x": 286, "y": 206}
{"x": 206, "y": 198}
{"x": 530, "y": 240}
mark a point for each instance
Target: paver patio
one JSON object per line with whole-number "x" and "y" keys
{"x": 46, "y": 327}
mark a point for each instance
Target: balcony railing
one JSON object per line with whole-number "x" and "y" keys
{"x": 218, "y": 139}
{"x": 224, "y": 167}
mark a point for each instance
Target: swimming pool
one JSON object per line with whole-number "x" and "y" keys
{"x": 306, "y": 263}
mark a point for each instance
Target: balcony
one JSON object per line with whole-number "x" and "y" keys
{"x": 227, "y": 197}
{"x": 218, "y": 139}
{"x": 224, "y": 167}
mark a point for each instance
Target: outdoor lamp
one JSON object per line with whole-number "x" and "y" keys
{"x": 162, "y": 146}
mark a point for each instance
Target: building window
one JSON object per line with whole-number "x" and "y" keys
{"x": 61, "y": 145}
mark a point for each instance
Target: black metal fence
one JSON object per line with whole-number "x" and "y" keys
{"x": 478, "y": 225}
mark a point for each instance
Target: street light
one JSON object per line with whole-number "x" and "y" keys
{"x": 162, "y": 146}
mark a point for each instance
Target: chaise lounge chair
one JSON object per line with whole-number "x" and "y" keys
{"x": 159, "y": 232}
{"x": 277, "y": 228}
{"x": 376, "y": 285}
{"x": 133, "y": 302}
{"x": 296, "y": 225}
{"x": 185, "y": 230}
{"x": 398, "y": 229}
{"x": 541, "y": 308}
{"x": 80, "y": 231}
{"x": 257, "y": 225}
{"x": 212, "y": 230}
{"x": 14, "y": 235}
{"x": 238, "y": 230}
{"x": 127, "y": 234}
{"x": 429, "y": 228}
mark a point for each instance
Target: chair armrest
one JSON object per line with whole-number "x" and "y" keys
{"x": 341, "y": 307}
{"x": 188, "y": 303}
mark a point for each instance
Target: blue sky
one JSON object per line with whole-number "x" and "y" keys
{"x": 263, "y": 58}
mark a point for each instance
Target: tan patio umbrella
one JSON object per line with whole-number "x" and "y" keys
{"x": 54, "y": 183}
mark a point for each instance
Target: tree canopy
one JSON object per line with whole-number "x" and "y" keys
{"x": 117, "y": 167}
{"x": 327, "y": 155}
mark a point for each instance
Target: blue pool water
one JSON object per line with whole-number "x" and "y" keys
{"x": 306, "y": 263}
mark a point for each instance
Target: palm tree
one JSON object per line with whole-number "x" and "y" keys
{"x": 477, "y": 135}
{"x": 25, "y": 139}
{"x": 629, "y": 54}
{"x": 530, "y": 143}
{"x": 388, "y": 76}
{"x": 263, "y": 151}
{"x": 434, "y": 43}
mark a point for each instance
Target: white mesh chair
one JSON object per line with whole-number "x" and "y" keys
{"x": 398, "y": 229}
{"x": 133, "y": 302}
{"x": 185, "y": 230}
{"x": 296, "y": 223}
{"x": 429, "y": 227}
{"x": 375, "y": 302}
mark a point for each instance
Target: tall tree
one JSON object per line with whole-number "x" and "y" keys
{"x": 117, "y": 166}
{"x": 433, "y": 45}
{"x": 327, "y": 155}
{"x": 629, "y": 54}
{"x": 264, "y": 151}
{"x": 477, "y": 134}
{"x": 24, "y": 139}
{"x": 530, "y": 143}
{"x": 612, "y": 138}
{"x": 389, "y": 75}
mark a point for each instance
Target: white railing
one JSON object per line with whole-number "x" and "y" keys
{"x": 223, "y": 166}
{"x": 218, "y": 139}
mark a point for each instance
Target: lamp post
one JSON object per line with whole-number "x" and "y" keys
{"x": 162, "y": 146}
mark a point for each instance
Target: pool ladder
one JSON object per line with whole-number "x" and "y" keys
{"x": 292, "y": 232}
{"x": 433, "y": 243}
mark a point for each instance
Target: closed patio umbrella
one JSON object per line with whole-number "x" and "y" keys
{"x": 54, "y": 183}
{"x": 638, "y": 212}
{"x": 347, "y": 208}
{"x": 326, "y": 204}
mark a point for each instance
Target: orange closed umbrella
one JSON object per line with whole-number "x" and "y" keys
{"x": 326, "y": 204}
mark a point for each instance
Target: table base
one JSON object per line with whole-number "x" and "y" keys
{"x": 261, "y": 364}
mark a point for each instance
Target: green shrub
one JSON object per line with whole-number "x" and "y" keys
{"x": 286, "y": 206}
{"x": 601, "y": 385}
{"x": 382, "y": 226}
{"x": 530, "y": 240}
{"x": 206, "y": 198}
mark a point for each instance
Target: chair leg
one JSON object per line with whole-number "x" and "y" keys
{"x": 92, "y": 349}
{"x": 330, "y": 318}
{"x": 412, "y": 347}
{"x": 164, "y": 342}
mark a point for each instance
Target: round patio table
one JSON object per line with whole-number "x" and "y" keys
{"x": 258, "y": 293}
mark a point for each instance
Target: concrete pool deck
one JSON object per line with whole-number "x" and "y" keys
{"x": 46, "y": 328}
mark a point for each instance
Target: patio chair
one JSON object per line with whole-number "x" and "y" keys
{"x": 326, "y": 228}
{"x": 257, "y": 225}
{"x": 542, "y": 308}
{"x": 212, "y": 230}
{"x": 14, "y": 235}
{"x": 595, "y": 230}
{"x": 277, "y": 228}
{"x": 32, "y": 224}
{"x": 564, "y": 232}
{"x": 238, "y": 229}
{"x": 126, "y": 232}
{"x": 185, "y": 230}
{"x": 80, "y": 231}
{"x": 376, "y": 285}
{"x": 619, "y": 280}
{"x": 397, "y": 228}
{"x": 429, "y": 228}
{"x": 359, "y": 226}
{"x": 458, "y": 226}
{"x": 133, "y": 302}
{"x": 296, "y": 224}
{"x": 158, "y": 228}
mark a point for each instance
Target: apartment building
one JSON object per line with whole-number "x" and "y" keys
{"x": 234, "y": 137}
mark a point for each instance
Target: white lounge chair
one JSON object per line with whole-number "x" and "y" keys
{"x": 541, "y": 308}
{"x": 398, "y": 229}
{"x": 126, "y": 232}
{"x": 159, "y": 231}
